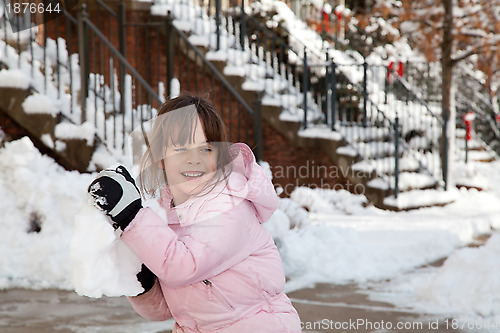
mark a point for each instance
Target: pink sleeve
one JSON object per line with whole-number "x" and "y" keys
{"x": 151, "y": 305}
{"x": 212, "y": 246}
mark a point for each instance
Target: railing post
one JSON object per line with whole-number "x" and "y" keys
{"x": 123, "y": 50}
{"x": 257, "y": 126}
{"x": 217, "y": 23}
{"x": 428, "y": 83}
{"x": 407, "y": 92}
{"x": 328, "y": 92}
{"x": 365, "y": 92}
{"x": 83, "y": 58}
{"x": 466, "y": 149}
{"x": 386, "y": 83}
{"x": 334, "y": 95}
{"x": 170, "y": 52}
{"x": 396, "y": 157}
{"x": 242, "y": 26}
{"x": 444, "y": 153}
{"x": 305, "y": 87}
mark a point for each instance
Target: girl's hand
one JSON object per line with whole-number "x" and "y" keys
{"x": 115, "y": 193}
{"x": 146, "y": 278}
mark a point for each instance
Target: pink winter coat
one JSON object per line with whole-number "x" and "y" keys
{"x": 218, "y": 269}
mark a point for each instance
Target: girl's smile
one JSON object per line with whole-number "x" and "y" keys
{"x": 192, "y": 175}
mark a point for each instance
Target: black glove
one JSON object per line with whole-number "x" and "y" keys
{"x": 115, "y": 193}
{"x": 146, "y": 278}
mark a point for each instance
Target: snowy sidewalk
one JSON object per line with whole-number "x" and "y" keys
{"x": 348, "y": 308}
{"x": 326, "y": 308}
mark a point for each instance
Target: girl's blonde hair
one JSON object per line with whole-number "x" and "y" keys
{"x": 179, "y": 127}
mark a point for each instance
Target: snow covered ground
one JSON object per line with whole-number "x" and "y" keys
{"x": 338, "y": 240}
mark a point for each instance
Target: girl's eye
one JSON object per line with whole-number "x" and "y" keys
{"x": 180, "y": 149}
{"x": 206, "y": 149}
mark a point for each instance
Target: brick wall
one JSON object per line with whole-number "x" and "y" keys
{"x": 146, "y": 50}
{"x": 298, "y": 166}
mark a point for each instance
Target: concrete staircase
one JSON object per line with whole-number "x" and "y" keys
{"x": 31, "y": 105}
{"x": 367, "y": 171}
{"x": 73, "y": 154}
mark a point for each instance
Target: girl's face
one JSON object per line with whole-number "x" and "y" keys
{"x": 191, "y": 166}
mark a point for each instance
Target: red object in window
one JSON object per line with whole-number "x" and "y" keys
{"x": 498, "y": 118}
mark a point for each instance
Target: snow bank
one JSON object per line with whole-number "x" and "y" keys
{"x": 327, "y": 253}
{"x": 468, "y": 282}
{"x": 38, "y": 205}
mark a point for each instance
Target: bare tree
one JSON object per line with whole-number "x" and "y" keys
{"x": 448, "y": 31}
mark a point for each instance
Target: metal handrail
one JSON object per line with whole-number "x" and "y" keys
{"x": 424, "y": 103}
{"x": 215, "y": 72}
{"x": 107, "y": 8}
{"x": 122, "y": 59}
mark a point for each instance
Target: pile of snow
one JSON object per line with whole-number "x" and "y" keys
{"x": 466, "y": 288}
{"x": 341, "y": 241}
{"x": 468, "y": 282}
{"x": 39, "y": 200}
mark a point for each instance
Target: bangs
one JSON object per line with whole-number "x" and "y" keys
{"x": 179, "y": 126}
{"x": 213, "y": 128}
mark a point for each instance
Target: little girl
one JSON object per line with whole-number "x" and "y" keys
{"x": 211, "y": 266}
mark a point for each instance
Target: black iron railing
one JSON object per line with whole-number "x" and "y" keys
{"x": 92, "y": 80}
{"x": 174, "y": 63}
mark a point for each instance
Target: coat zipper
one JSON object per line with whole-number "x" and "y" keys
{"x": 218, "y": 294}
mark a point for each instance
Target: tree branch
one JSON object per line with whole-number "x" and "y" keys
{"x": 475, "y": 49}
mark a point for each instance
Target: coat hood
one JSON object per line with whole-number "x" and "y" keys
{"x": 249, "y": 181}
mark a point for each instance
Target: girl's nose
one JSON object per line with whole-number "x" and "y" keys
{"x": 193, "y": 156}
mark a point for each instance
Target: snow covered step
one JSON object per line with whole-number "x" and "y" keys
{"x": 386, "y": 165}
{"x": 471, "y": 145}
{"x": 12, "y": 102}
{"x": 375, "y": 149}
{"x": 477, "y": 155}
{"x": 407, "y": 181}
{"x": 368, "y": 150}
{"x": 37, "y": 116}
{"x": 420, "y": 198}
{"x": 357, "y": 133}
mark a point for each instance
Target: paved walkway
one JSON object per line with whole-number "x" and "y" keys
{"x": 325, "y": 308}
{"x": 329, "y": 308}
